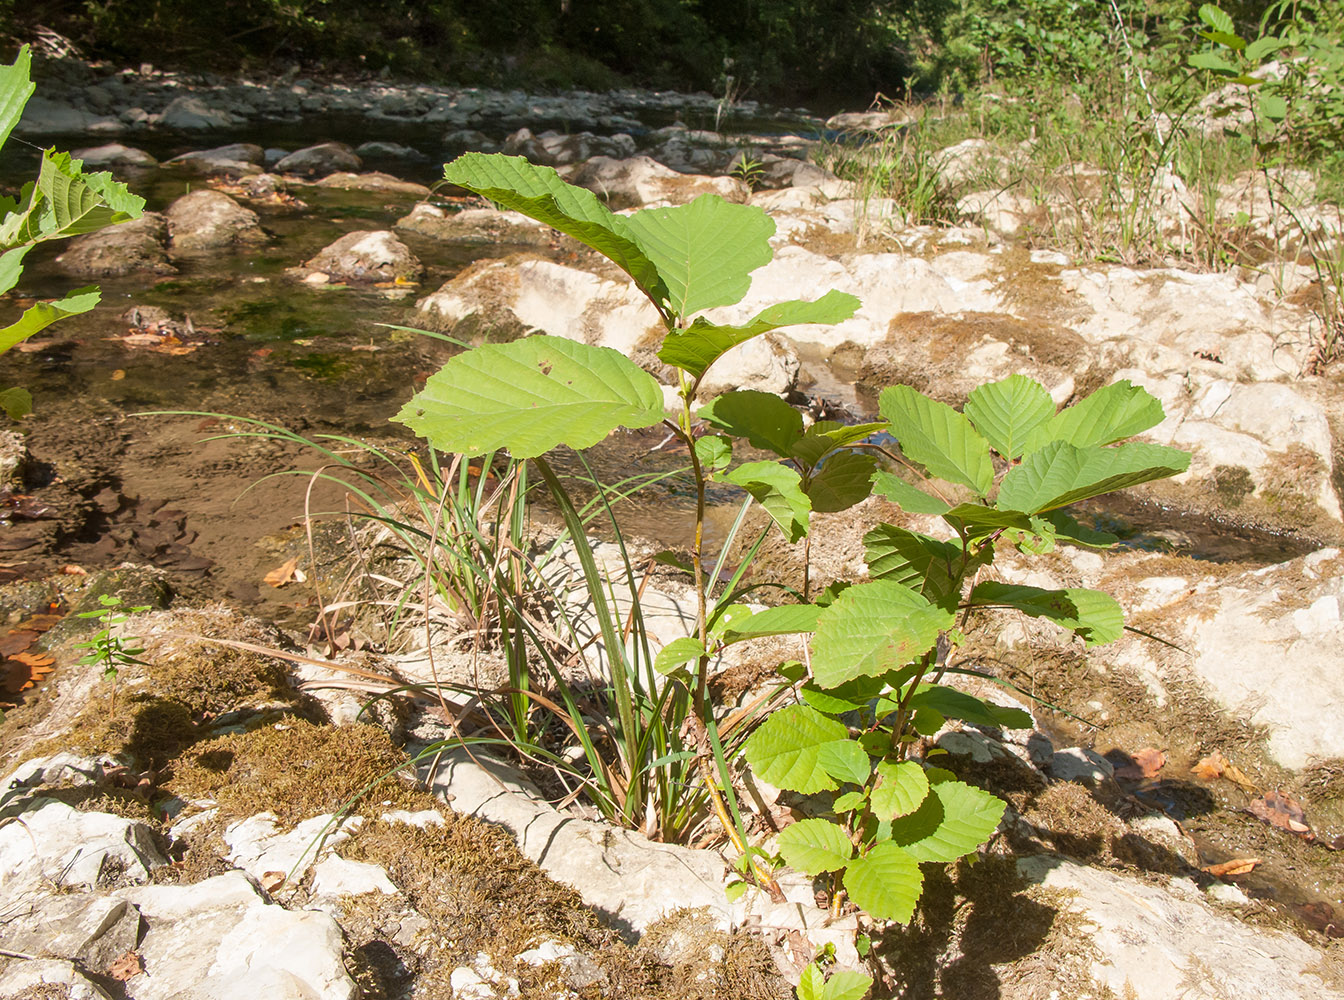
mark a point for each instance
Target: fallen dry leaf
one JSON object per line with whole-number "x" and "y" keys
{"x": 282, "y": 574}
{"x": 1146, "y": 763}
{"x": 16, "y": 641}
{"x": 1281, "y": 811}
{"x": 1216, "y": 765}
{"x": 118, "y": 374}
{"x": 128, "y": 965}
{"x": 1237, "y": 866}
{"x": 72, "y": 570}
{"x": 270, "y": 881}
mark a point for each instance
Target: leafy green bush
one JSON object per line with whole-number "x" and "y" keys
{"x": 872, "y": 688}
{"x": 62, "y": 202}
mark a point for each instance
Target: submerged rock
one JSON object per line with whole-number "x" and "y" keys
{"x": 129, "y": 248}
{"x": 114, "y": 154}
{"x": 206, "y": 220}
{"x": 375, "y": 181}
{"x": 475, "y": 225}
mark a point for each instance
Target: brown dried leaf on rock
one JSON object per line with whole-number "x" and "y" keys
{"x": 271, "y": 881}
{"x": 1145, "y": 764}
{"x": 128, "y": 965}
{"x": 286, "y": 572}
{"x": 1216, "y": 765}
{"x": 1237, "y": 866}
{"x": 1280, "y": 811}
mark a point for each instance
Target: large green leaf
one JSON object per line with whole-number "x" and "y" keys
{"x": 539, "y": 192}
{"x": 1007, "y": 412}
{"x": 842, "y": 985}
{"x": 848, "y": 697}
{"x": 778, "y": 489}
{"x": 1094, "y": 615}
{"x": 845, "y": 479}
{"x": 872, "y": 628}
{"x": 697, "y": 347}
{"x": 951, "y": 823}
{"x": 886, "y": 883}
{"x": 953, "y": 704}
{"x": 531, "y": 395}
{"x": 17, "y": 402}
{"x": 704, "y": 251}
{"x": 977, "y": 520}
{"x": 677, "y": 653}
{"x": 905, "y": 496}
{"x": 39, "y": 317}
{"x": 1060, "y": 474}
{"x": 900, "y": 788}
{"x": 15, "y": 89}
{"x": 938, "y": 437}
{"x": 815, "y": 846}
{"x": 827, "y": 435}
{"x": 765, "y": 420}
{"x": 847, "y": 761}
{"x": 787, "y": 749}
{"x": 1067, "y": 529}
{"x": 787, "y": 619}
{"x": 919, "y": 562}
{"x": 11, "y": 266}
{"x": 1112, "y": 413}
{"x": 68, "y": 202}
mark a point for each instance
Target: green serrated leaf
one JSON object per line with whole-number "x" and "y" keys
{"x": 1095, "y": 616}
{"x": 677, "y": 653}
{"x": 714, "y": 453}
{"x": 540, "y": 193}
{"x": 846, "y": 985}
{"x": 11, "y": 266}
{"x": 846, "y": 761}
{"x": 953, "y": 704}
{"x": 826, "y": 436}
{"x": 786, "y": 749}
{"x": 919, "y": 562}
{"x": 815, "y": 846}
{"x": 704, "y": 251}
{"x": 778, "y": 489}
{"x": 531, "y": 395}
{"x": 73, "y": 203}
{"x": 1273, "y": 107}
{"x": 734, "y": 891}
{"x": 905, "y": 496}
{"x": 900, "y": 788}
{"x": 848, "y": 697}
{"x": 1213, "y": 62}
{"x": 938, "y": 438}
{"x": 1060, "y": 474}
{"x": 977, "y": 520}
{"x": 848, "y": 802}
{"x": 765, "y": 420}
{"x": 1261, "y": 47}
{"x": 886, "y": 882}
{"x": 40, "y": 316}
{"x": 951, "y": 823}
{"x": 845, "y": 479}
{"x": 872, "y": 628}
{"x": 1110, "y": 414}
{"x": 698, "y": 346}
{"x": 1007, "y": 412}
{"x": 15, "y": 89}
{"x": 812, "y": 985}
{"x": 1066, "y": 529}
{"x": 786, "y": 619}
{"x": 17, "y": 402}
{"x": 1216, "y": 18}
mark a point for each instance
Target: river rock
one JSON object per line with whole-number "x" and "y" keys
{"x": 13, "y": 460}
{"x": 190, "y": 114}
{"x": 1163, "y": 942}
{"x": 320, "y": 160}
{"x": 363, "y": 256}
{"x": 1266, "y": 645}
{"x": 47, "y": 978}
{"x": 206, "y": 220}
{"x": 234, "y": 160}
{"x": 220, "y": 940}
{"x": 57, "y": 843}
{"x": 44, "y": 116}
{"x": 640, "y": 180}
{"x": 475, "y": 225}
{"x": 389, "y": 151}
{"x": 135, "y": 247}
{"x": 114, "y": 154}
{"x": 374, "y": 181}
{"x": 554, "y": 149}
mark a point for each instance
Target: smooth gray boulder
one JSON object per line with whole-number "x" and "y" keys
{"x": 190, "y": 113}
{"x": 320, "y": 160}
{"x": 113, "y": 154}
{"x": 207, "y": 220}
{"x": 234, "y": 160}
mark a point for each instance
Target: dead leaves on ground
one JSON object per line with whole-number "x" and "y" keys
{"x": 286, "y": 572}
{"x": 1237, "y": 866}
{"x": 21, "y": 667}
{"x": 127, "y": 966}
{"x": 1144, "y": 764}
{"x": 1283, "y": 812}
{"x": 1216, "y": 765}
